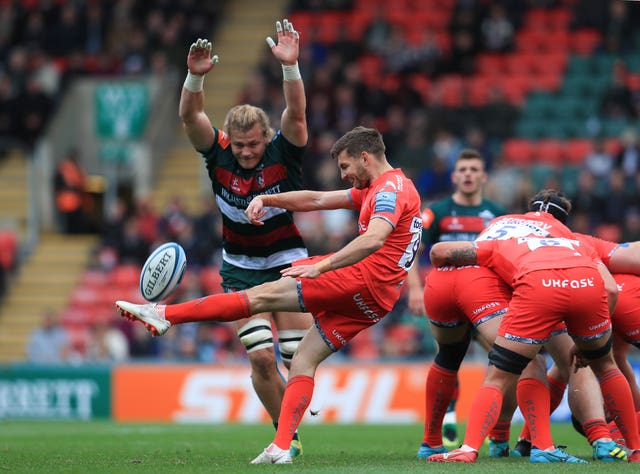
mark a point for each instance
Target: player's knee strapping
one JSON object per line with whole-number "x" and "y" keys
{"x": 600, "y": 352}
{"x": 507, "y": 360}
{"x": 288, "y": 342}
{"x": 450, "y": 356}
{"x": 256, "y": 334}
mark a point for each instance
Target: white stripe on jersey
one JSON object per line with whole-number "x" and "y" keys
{"x": 238, "y": 215}
{"x": 278, "y": 259}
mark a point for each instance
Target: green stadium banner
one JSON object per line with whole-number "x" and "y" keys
{"x": 55, "y": 392}
{"x": 121, "y": 110}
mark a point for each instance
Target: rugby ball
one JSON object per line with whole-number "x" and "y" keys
{"x": 163, "y": 272}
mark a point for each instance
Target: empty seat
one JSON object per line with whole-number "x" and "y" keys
{"x": 550, "y": 151}
{"x": 584, "y": 41}
{"x": 126, "y": 275}
{"x": 518, "y": 151}
{"x": 8, "y": 249}
{"x": 576, "y": 150}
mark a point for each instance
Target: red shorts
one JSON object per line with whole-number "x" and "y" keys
{"x": 543, "y": 299}
{"x": 457, "y": 295}
{"x": 626, "y": 317}
{"x": 340, "y": 303}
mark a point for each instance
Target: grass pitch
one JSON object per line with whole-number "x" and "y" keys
{"x": 108, "y": 447}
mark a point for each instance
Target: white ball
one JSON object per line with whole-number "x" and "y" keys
{"x": 163, "y": 272}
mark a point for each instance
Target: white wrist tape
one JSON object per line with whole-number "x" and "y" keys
{"x": 291, "y": 73}
{"x": 193, "y": 82}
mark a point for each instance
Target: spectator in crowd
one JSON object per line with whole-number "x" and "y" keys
{"x": 71, "y": 197}
{"x": 498, "y": 115}
{"x": 498, "y": 31}
{"x": 34, "y": 108}
{"x": 49, "y": 343}
{"x": 618, "y": 28}
{"x": 617, "y": 101}
{"x": 628, "y": 158}
{"x": 378, "y": 32}
{"x": 599, "y": 163}
{"x": 130, "y": 247}
{"x": 7, "y": 111}
{"x": 107, "y": 343}
{"x": 631, "y": 225}
{"x": 617, "y": 200}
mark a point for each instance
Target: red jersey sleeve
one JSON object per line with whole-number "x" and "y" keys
{"x": 356, "y": 196}
{"x": 604, "y": 248}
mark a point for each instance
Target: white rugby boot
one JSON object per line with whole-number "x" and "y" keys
{"x": 273, "y": 455}
{"x": 155, "y": 322}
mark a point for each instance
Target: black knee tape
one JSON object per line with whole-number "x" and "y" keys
{"x": 597, "y": 353}
{"x": 450, "y": 356}
{"x": 507, "y": 360}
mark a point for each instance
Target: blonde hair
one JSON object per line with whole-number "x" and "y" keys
{"x": 245, "y": 117}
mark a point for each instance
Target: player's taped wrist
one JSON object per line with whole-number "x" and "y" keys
{"x": 193, "y": 82}
{"x": 323, "y": 265}
{"x": 291, "y": 73}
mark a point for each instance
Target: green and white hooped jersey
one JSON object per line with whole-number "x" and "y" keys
{"x": 278, "y": 242}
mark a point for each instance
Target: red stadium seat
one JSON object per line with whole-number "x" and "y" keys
{"x": 518, "y": 151}
{"x": 584, "y": 41}
{"x": 613, "y": 146}
{"x": 94, "y": 279}
{"x": 559, "y": 40}
{"x": 85, "y": 297}
{"x": 478, "y": 90}
{"x": 550, "y": 151}
{"x": 559, "y": 18}
{"x": 490, "y": 64}
{"x": 576, "y": 150}
{"x": 530, "y": 41}
{"x": 126, "y": 275}
{"x": 8, "y": 249}
{"x": 536, "y": 19}
{"x": 552, "y": 62}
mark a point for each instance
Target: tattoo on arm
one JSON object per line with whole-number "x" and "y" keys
{"x": 462, "y": 256}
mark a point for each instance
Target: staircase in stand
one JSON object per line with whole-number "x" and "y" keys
{"x": 43, "y": 282}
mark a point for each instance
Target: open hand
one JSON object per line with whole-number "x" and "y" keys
{"x": 287, "y": 48}
{"x": 302, "y": 271}
{"x": 200, "y": 59}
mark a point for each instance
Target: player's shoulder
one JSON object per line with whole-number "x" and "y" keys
{"x": 494, "y": 207}
{"x": 442, "y": 205}
{"x": 280, "y": 148}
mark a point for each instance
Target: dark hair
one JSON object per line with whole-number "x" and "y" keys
{"x": 358, "y": 140}
{"x": 554, "y": 202}
{"x": 469, "y": 154}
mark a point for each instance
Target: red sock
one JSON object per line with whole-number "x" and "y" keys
{"x": 297, "y": 396}
{"x": 483, "y": 415}
{"x": 440, "y": 387}
{"x": 556, "y": 391}
{"x": 619, "y": 401}
{"x": 615, "y": 432}
{"x": 533, "y": 400}
{"x": 222, "y": 307}
{"x": 595, "y": 429}
{"x": 500, "y": 432}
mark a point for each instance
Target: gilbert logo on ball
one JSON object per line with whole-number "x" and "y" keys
{"x": 163, "y": 272}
